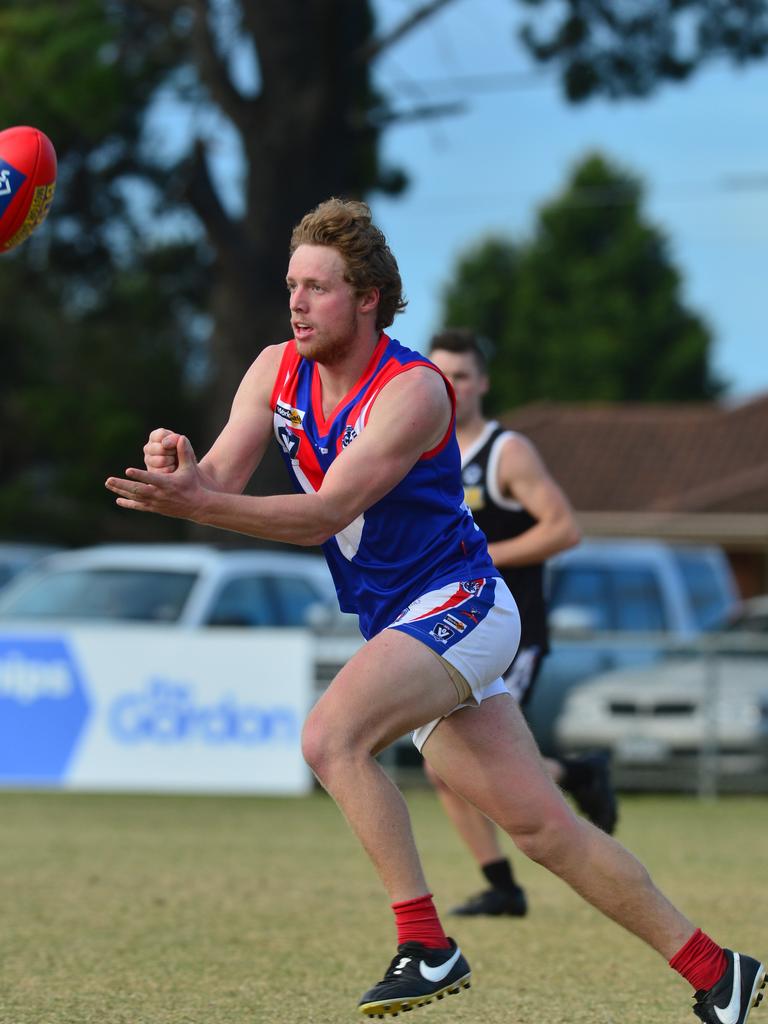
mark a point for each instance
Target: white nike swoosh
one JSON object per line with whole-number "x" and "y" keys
{"x": 730, "y": 1014}
{"x": 443, "y": 970}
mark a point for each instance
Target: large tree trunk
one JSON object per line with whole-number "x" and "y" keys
{"x": 306, "y": 137}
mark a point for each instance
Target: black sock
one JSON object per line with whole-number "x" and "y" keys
{"x": 499, "y": 874}
{"x": 575, "y": 773}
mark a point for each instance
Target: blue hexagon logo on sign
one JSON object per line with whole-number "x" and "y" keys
{"x": 43, "y": 707}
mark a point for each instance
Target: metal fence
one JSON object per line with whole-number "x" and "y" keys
{"x": 690, "y": 717}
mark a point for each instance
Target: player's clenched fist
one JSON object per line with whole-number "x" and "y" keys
{"x": 160, "y": 450}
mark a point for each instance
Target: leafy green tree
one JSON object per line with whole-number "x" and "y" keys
{"x": 145, "y": 238}
{"x": 148, "y": 215}
{"x": 481, "y": 294}
{"x": 590, "y": 307}
{"x": 603, "y": 47}
{"x": 77, "y": 396}
{"x": 98, "y": 322}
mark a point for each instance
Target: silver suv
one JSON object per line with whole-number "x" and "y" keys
{"x": 615, "y": 603}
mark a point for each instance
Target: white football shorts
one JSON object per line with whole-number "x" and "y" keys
{"x": 472, "y": 625}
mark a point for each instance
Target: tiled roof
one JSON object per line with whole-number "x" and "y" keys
{"x": 654, "y": 458}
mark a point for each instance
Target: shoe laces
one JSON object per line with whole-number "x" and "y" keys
{"x": 408, "y": 949}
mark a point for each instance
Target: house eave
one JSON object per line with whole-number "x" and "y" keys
{"x": 734, "y": 530}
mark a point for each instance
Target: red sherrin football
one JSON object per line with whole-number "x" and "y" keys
{"x": 27, "y": 183}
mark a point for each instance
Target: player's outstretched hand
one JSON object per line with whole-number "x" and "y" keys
{"x": 178, "y": 493}
{"x": 160, "y": 450}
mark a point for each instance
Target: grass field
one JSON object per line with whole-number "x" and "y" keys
{"x": 182, "y": 910}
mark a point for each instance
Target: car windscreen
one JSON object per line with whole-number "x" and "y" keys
{"x": 708, "y": 595}
{"x": 135, "y": 595}
{"x": 622, "y": 596}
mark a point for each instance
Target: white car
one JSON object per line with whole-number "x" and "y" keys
{"x": 16, "y": 557}
{"x": 692, "y": 712}
{"x": 751, "y": 616}
{"x": 187, "y": 585}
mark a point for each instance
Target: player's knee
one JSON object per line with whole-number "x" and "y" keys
{"x": 314, "y": 745}
{"x": 324, "y": 745}
{"x": 548, "y": 838}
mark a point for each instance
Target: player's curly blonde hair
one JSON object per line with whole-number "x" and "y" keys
{"x": 345, "y": 225}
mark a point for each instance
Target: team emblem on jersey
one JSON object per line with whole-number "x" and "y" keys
{"x": 349, "y": 435}
{"x": 473, "y": 474}
{"x": 457, "y": 624}
{"x": 289, "y": 441}
{"x": 472, "y": 586}
{"x": 474, "y": 498}
{"x": 294, "y": 416}
{"x": 442, "y": 632}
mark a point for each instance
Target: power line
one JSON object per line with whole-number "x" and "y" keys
{"x": 757, "y": 182}
{"x": 503, "y": 81}
{"x": 607, "y": 196}
{"x": 495, "y": 81}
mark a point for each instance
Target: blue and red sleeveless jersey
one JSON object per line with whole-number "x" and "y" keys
{"x": 417, "y": 537}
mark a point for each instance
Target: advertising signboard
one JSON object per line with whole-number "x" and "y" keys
{"x": 155, "y": 709}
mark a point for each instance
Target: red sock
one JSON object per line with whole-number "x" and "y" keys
{"x": 700, "y": 961}
{"x": 417, "y": 921}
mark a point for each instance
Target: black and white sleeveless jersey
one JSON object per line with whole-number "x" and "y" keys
{"x": 500, "y": 518}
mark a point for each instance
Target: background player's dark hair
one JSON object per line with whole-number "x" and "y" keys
{"x": 462, "y": 339}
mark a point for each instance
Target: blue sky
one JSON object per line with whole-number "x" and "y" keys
{"x": 700, "y": 147}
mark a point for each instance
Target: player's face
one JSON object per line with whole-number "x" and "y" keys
{"x": 469, "y": 383}
{"x": 324, "y": 307}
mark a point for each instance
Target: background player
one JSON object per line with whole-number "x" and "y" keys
{"x": 526, "y": 519}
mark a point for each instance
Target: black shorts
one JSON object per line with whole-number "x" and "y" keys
{"x": 523, "y": 672}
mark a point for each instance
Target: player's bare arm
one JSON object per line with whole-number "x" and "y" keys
{"x": 237, "y": 452}
{"x": 523, "y": 477}
{"x": 409, "y": 417}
